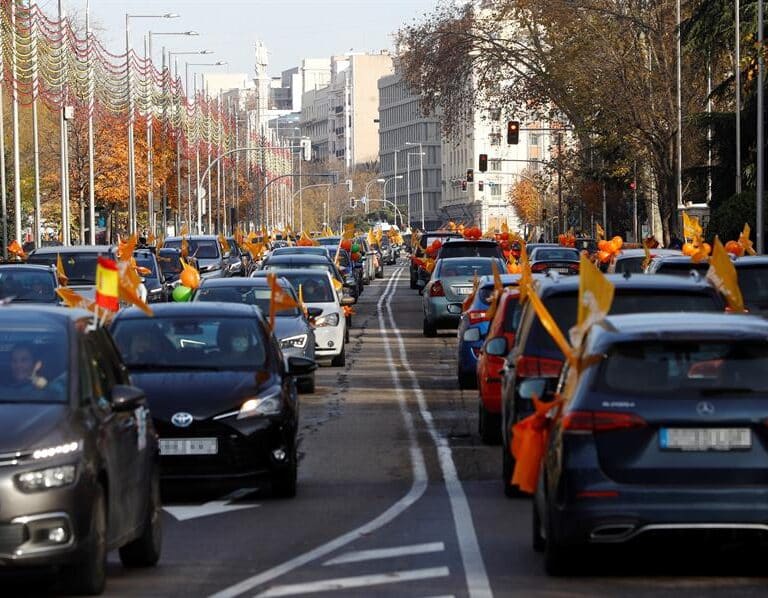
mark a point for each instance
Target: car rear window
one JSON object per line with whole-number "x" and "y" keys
{"x": 464, "y": 268}
{"x": 314, "y": 289}
{"x": 681, "y": 268}
{"x": 207, "y": 249}
{"x": 633, "y": 265}
{"x": 245, "y": 294}
{"x": 27, "y": 286}
{"x": 630, "y": 301}
{"x": 512, "y": 315}
{"x": 80, "y": 267}
{"x": 466, "y": 250}
{"x": 555, "y": 254}
{"x": 753, "y": 281}
{"x": 680, "y": 368}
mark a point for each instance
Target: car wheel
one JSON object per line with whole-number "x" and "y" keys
{"x": 340, "y": 360}
{"x": 346, "y": 332}
{"x": 467, "y": 381}
{"x": 429, "y": 329}
{"x": 489, "y": 425}
{"x": 307, "y": 385}
{"x": 380, "y": 273}
{"x": 144, "y": 551}
{"x": 284, "y": 483}
{"x": 413, "y": 282}
{"x": 89, "y": 576}
{"x": 556, "y": 561}
{"x": 537, "y": 538}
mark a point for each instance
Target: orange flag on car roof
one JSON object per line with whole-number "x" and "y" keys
{"x": 723, "y": 276}
{"x": 223, "y": 242}
{"x": 60, "y": 272}
{"x": 498, "y": 289}
{"x": 279, "y": 300}
{"x": 73, "y": 298}
{"x": 526, "y": 276}
{"x": 16, "y": 249}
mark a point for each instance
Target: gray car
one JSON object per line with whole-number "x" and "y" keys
{"x": 292, "y": 328}
{"x": 25, "y": 283}
{"x": 207, "y": 250}
{"x": 79, "y": 264}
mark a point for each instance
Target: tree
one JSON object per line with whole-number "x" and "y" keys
{"x": 526, "y": 200}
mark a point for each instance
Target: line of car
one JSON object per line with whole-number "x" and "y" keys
{"x": 663, "y": 434}
{"x": 94, "y": 420}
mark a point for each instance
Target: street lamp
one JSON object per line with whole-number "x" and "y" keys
{"x": 408, "y": 169}
{"x": 421, "y": 176}
{"x": 197, "y": 148}
{"x": 395, "y": 178}
{"x": 367, "y": 185}
{"x": 150, "y": 151}
{"x": 131, "y": 155}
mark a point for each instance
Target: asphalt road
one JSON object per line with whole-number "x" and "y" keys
{"x": 397, "y": 497}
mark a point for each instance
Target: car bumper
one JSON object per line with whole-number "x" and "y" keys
{"x": 27, "y": 519}
{"x": 634, "y": 513}
{"x": 442, "y": 313}
{"x": 329, "y": 341}
{"x": 245, "y": 449}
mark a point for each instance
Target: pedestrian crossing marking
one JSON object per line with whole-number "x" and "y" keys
{"x": 357, "y": 556}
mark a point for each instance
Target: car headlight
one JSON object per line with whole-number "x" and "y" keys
{"x": 54, "y": 451}
{"x": 156, "y": 291}
{"x": 43, "y": 479}
{"x": 294, "y": 342}
{"x": 235, "y": 266}
{"x": 269, "y": 404}
{"x": 327, "y": 320}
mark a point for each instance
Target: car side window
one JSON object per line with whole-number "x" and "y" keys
{"x": 87, "y": 392}
{"x": 100, "y": 380}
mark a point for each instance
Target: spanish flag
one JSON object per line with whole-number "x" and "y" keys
{"x": 107, "y": 284}
{"x": 279, "y": 300}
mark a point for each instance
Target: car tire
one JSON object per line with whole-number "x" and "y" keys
{"x": 430, "y": 331}
{"x": 466, "y": 381}
{"x": 340, "y": 360}
{"x": 537, "y": 540}
{"x": 145, "y": 550}
{"x": 557, "y": 560}
{"x": 307, "y": 385}
{"x": 346, "y": 332}
{"x": 413, "y": 283}
{"x": 284, "y": 483}
{"x": 89, "y": 576}
{"x": 380, "y": 273}
{"x": 489, "y": 426}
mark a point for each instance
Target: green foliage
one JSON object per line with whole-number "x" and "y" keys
{"x": 727, "y": 220}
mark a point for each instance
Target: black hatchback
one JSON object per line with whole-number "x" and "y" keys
{"x": 78, "y": 453}
{"x": 535, "y": 354}
{"x": 222, "y": 395}
{"x": 663, "y": 437}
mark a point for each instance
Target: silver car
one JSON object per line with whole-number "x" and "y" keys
{"x": 292, "y": 328}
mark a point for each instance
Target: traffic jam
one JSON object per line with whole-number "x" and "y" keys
{"x": 623, "y": 385}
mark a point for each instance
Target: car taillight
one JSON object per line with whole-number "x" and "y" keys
{"x": 574, "y": 268}
{"x": 539, "y": 267}
{"x": 476, "y": 315}
{"x": 436, "y": 290}
{"x": 532, "y": 367}
{"x": 601, "y": 421}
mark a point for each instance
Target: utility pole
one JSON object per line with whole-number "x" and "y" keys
{"x": 561, "y": 224}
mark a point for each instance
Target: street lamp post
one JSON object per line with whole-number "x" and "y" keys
{"x": 421, "y": 176}
{"x": 131, "y": 117}
{"x": 408, "y": 165}
{"x": 367, "y": 185}
{"x": 395, "y": 178}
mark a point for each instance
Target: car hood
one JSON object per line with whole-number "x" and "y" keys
{"x": 30, "y": 425}
{"x": 202, "y": 394}
{"x": 290, "y": 326}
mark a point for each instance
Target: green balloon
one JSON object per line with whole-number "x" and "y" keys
{"x": 182, "y": 293}
{"x": 355, "y": 248}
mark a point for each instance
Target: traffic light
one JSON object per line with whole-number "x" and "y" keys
{"x": 306, "y": 149}
{"x": 479, "y": 185}
{"x": 463, "y": 185}
{"x": 470, "y": 175}
{"x": 513, "y": 132}
{"x": 352, "y": 202}
{"x": 483, "y": 162}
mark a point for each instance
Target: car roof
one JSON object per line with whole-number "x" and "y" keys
{"x": 74, "y": 249}
{"x": 194, "y": 238}
{"x": 293, "y": 272}
{"x": 13, "y": 311}
{"x": 24, "y": 266}
{"x": 506, "y": 279}
{"x": 293, "y": 258}
{"x": 670, "y": 326}
{"x": 749, "y": 260}
{"x": 553, "y": 285}
{"x": 659, "y": 252}
{"x": 236, "y": 282}
{"x": 675, "y": 259}
{"x": 201, "y": 309}
{"x": 460, "y": 241}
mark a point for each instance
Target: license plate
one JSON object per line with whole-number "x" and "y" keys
{"x": 562, "y": 270}
{"x": 463, "y": 290}
{"x": 189, "y": 446}
{"x": 705, "y": 439}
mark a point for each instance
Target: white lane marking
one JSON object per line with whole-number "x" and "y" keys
{"x": 215, "y": 507}
{"x": 478, "y": 584}
{"x": 385, "y": 553}
{"x": 418, "y": 486}
{"x": 362, "y": 581}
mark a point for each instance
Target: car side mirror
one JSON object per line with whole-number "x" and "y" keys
{"x": 497, "y": 346}
{"x": 127, "y": 398}
{"x": 314, "y": 312}
{"x": 421, "y": 283}
{"x": 301, "y": 366}
{"x": 472, "y": 335}
{"x": 348, "y": 301}
{"x": 227, "y": 254}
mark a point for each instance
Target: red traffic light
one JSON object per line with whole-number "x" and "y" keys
{"x": 470, "y": 175}
{"x": 513, "y": 132}
{"x": 633, "y": 185}
{"x": 483, "y": 162}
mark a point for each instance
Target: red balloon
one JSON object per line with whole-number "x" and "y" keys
{"x": 346, "y": 244}
{"x": 356, "y": 257}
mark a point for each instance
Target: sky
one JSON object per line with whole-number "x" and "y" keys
{"x": 291, "y": 29}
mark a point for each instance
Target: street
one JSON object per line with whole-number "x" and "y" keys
{"x": 397, "y": 496}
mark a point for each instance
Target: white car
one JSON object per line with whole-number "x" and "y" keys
{"x": 316, "y": 289}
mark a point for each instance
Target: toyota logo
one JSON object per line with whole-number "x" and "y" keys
{"x": 705, "y": 408}
{"x": 182, "y": 419}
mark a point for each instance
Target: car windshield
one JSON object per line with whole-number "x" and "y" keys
{"x": 314, "y": 289}
{"x": 681, "y": 268}
{"x": 300, "y": 251}
{"x": 484, "y": 293}
{"x": 298, "y": 265}
{"x": 563, "y": 308}
{"x": 247, "y": 294}
{"x": 202, "y": 249}
{"x": 33, "y": 362}
{"x": 685, "y": 368}
{"x": 169, "y": 264}
{"x": 632, "y": 265}
{"x": 191, "y": 342}
{"x": 753, "y": 281}
{"x": 465, "y": 268}
{"x": 80, "y": 268}
{"x": 555, "y": 254}
{"x": 330, "y": 241}
{"x": 27, "y": 286}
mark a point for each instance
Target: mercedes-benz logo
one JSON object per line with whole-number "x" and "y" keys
{"x": 705, "y": 408}
{"x": 182, "y": 419}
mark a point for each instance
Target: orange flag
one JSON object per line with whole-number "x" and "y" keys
{"x": 16, "y": 249}
{"x": 279, "y": 300}
{"x": 107, "y": 284}
{"x": 498, "y": 289}
{"x": 60, "y": 272}
{"x": 125, "y": 248}
{"x": 73, "y": 298}
{"x": 526, "y": 276}
{"x": 723, "y": 276}
{"x": 223, "y": 242}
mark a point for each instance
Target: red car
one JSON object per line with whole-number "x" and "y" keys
{"x": 499, "y": 341}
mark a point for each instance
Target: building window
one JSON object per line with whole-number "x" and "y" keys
{"x": 495, "y": 189}
{"x": 495, "y": 138}
{"x": 495, "y": 165}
